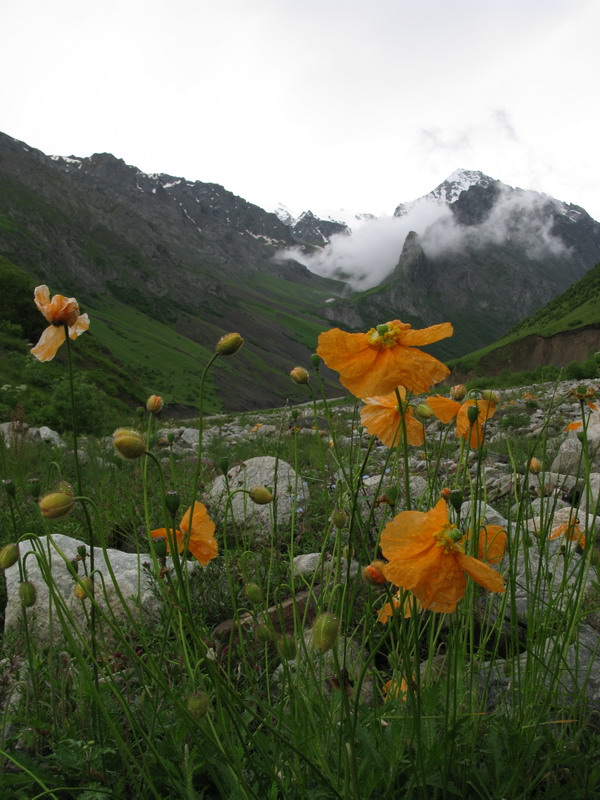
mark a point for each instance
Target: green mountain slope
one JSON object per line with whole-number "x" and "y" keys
{"x": 564, "y": 330}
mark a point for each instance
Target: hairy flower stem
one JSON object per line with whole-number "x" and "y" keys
{"x": 86, "y": 514}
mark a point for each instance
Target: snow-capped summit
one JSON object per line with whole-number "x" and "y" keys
{"x": 449, "y": 190}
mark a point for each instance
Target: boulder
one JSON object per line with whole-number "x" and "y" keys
{"x": 289, "y": 491}
{"x": 129, "y": 593}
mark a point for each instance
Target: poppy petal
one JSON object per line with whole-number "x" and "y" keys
{"x": 50, "y": 340}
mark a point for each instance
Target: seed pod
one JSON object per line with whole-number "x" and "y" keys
{"x": 172, "y": 502}
{"x": 456, "y": 499}
{"x": 325, "y": 631}
{"x": 472, "y": 414}
{"x": 315, "y": 360}
{"x": 159, "y": 545}
{"x": 27, "y": 594}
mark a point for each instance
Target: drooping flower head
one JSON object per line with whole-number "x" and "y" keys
{"x": 382, "y": 418}
{"x": 426, "y": 554}
{"x": 446, "y": 410}
{"x": 197, "y": 535}
{"x": 59, "y": 311}
{"x": 376, "y": 362}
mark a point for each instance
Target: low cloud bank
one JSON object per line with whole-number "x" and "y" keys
{"x": 370, "y": 253}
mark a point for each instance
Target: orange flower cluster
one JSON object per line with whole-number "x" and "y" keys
{"x": 198, "y": 536}
{"x": 59, "y": 312}
{"x": 446, "y": 410}
{"x": 377, "y": 362}
{"x": 382, "y": 418}
{"x": 426, "y": 555}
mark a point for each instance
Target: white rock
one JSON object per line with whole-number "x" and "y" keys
{"x": 288, "y": 489}
{"x": 130, "y": 581}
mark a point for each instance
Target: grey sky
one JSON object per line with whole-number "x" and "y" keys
{"x": 319, "y": 105}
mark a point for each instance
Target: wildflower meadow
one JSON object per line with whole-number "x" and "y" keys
{"x": 389, "y": 594}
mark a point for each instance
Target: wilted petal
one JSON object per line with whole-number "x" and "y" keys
{"x": 50, "y": 340}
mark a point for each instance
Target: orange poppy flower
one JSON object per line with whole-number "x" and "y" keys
{"x": 381, "y": 417}
{"x": 198, "y": 536}
{"x": 571, "y": 531}
{"x": 375, "y": 363}
{"x": 575, "y": 426}
{"x": 446, "y": 410}
{"x": 59, "y": 311}
{"x": 426, "y": 555}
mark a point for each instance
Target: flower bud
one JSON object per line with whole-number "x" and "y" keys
{"x": 445, "y": 493}
{"x": 263, "y": 633}
{"x": 9, "y": 486}
{"x": 534, "y": 466}
{"x": 458, "y": 392}
{"x": 491, "y": 396}
{"x": 423, "y": 411}
{"x": 472, "y": 414}
{"x": 260, "y": 495}
{"x": 229, "y": 344}
{"x": 339, "y": 518}
{"x": 299, "y": 375}
{"x": 27, "y": 594}
{"x": 172, "y": 502}
{"x": 9, "y": 555}
{"x": 198, "y": 704}
{"x": 287, "y": 648}
{"x": 82, "y": 551}
{"x": 154, "y": 404}
{"x": 456, "y": 499}
{"x": 129, "y": 443}
{"x": 373, "y": 575}
{"x": 324, "y": 632}
{"x": 315, "y": 360}
{"x": 84, "y": 588}
{"x": 56, "y": 504}
{"x": 253, "y": 592}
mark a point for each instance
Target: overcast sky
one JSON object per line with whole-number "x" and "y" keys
{"x": 319, "y": 104}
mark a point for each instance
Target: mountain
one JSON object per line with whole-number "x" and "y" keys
{"x": 164, "y": 266}
{"x": 492, "y": 256}
{"x": 566, "y": 329}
